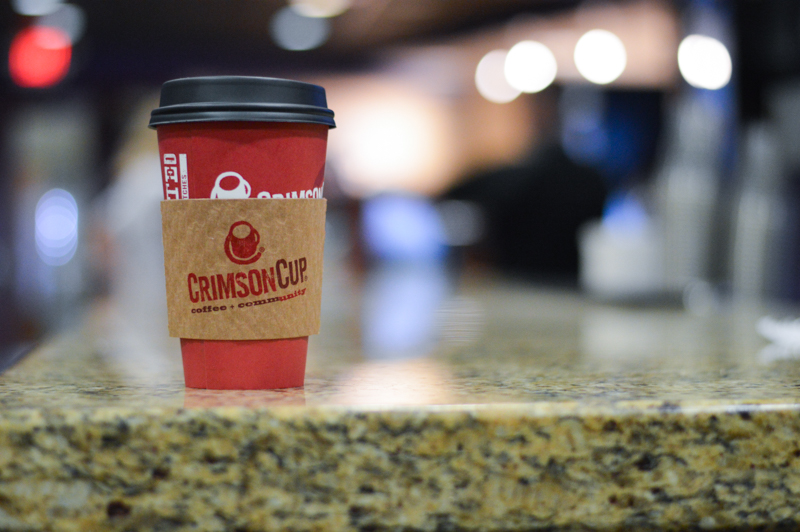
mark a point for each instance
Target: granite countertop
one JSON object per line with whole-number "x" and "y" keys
{"x": 533, "y": 409}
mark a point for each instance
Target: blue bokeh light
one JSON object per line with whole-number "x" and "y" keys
{"x": 56, "y": 227}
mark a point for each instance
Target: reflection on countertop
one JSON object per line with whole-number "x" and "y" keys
{"x": 505, "y": 344}
{"x": 519, "y": 408}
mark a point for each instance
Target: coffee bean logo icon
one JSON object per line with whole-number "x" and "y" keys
{"x": 241, "y": 244}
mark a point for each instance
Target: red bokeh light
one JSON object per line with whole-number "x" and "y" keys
{"x": 39, "y": 57}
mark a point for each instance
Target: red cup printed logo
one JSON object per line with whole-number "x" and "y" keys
{"x": 237, "y": 187}
{"x": 231, "y": 185}
{"x": 241, "y": 245}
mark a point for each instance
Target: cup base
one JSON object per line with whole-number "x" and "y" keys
{"x": 244, "y": 364}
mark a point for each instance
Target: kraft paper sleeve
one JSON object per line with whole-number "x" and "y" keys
{"x": 246, "y": 269}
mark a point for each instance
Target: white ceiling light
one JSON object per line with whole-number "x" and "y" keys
{"x": 490, "y": 78}
{"x": 600, "y": 56}
{"x": 704, "y": 62}
{"x": 320, "y": 8}
{"x": 530, "y": 66}
{"x": 296, "y": 32}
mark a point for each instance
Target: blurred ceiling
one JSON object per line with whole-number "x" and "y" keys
{"x": 368, "y": 23}
{"x": 128, "y": 39}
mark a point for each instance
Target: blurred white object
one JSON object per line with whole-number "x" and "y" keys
{"x": 784, "y": 335}
{"x": 687, "y": 190}
{"x": 133, "y": 221}
{"x": 759, "y": 213}
{"x": 621, "y": 257}
{"x": 618, "y": 264}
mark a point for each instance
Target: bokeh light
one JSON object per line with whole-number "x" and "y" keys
{"x": 69, "y": 18}
{"x": 403, "y": 228}
{"x": 704, "y": 62}
{"x": 56, "y": 224}
{"x": 293, "y": 31}
{"x": 530, "y": 66}
{"x": 490, "y": 78}
{"x": 320, "y": 8}
{"x": 39, "y": 57}
{"x": 394, "y": 142}
{"x": 35, "y": 8}
{"x": 600, "y": 56}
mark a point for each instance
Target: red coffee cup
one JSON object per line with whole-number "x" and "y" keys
{"x": 242, "y": 137}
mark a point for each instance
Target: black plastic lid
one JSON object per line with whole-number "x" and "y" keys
{"x": 241, "y": 99}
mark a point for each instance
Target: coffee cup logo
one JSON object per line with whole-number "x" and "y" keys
{"x": 241, "y": 245}
{"x": 240, "y": 191}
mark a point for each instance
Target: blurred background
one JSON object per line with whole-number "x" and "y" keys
{"x": 642, "y": 152}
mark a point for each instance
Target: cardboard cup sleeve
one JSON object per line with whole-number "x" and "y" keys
{"x": 243, "y": 269}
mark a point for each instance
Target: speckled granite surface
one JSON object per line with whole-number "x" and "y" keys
{"x": 534, "y": 410}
